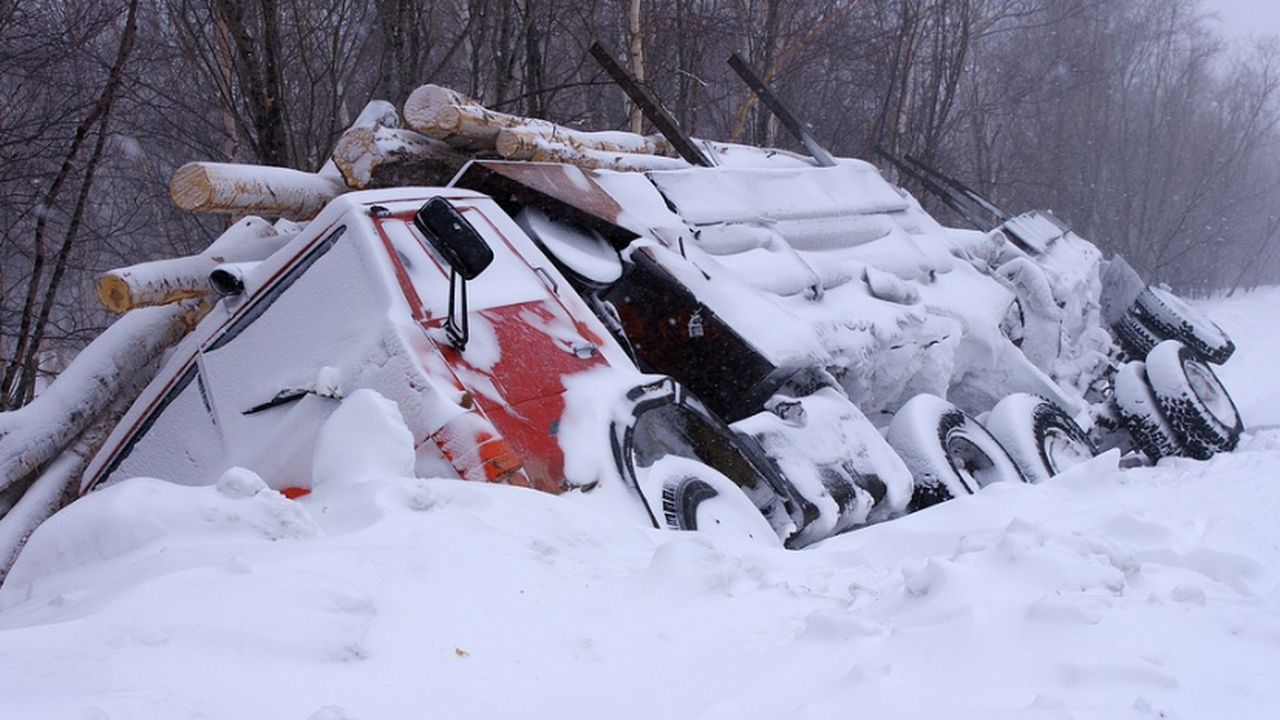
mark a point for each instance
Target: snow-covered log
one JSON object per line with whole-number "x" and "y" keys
{"x": 524, "y": 142}
{"x": 516, "y": 144}
{"x": 465, "y": 124}
{"x": 252, "y": 189}
{"x": 33, "y": 435}
{"x": 452, "y": 117}
{"x": 378, "y": 157}
{"x": 37, "y": 504}
{"x": 31, "y": 501}
{"x": 50, "y": 489}
{"x": 161, "y": 282}
{"x": 378, "y": 112}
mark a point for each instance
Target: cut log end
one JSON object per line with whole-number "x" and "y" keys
{"x": 388, "y": 157}
{"x": 114, "y": 293}
{"x": 434, "y": 110}
{"x": 190, "y": 188}
{"x": 121, "y": 292}
{"x": 252, "y": 189}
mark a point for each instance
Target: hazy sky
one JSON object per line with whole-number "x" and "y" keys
{"x": 1241, "y": 18}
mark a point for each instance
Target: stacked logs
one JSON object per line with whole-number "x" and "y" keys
{"x": 445, "y": 130}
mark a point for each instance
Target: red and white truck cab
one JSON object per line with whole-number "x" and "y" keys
{"x": 433, "y": 297}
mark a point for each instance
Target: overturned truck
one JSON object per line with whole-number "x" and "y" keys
{"x": 702, "y": 334}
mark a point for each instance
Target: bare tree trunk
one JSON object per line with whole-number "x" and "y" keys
{"x": 227, "y": 104}
{"x": 18, "y": 384}
{"x": 767, "y": 51}
{"x": 637, "y": 60}
{"x": 401, "y": 54}
{"x": 257, "y": 65}
{"x": 535, "y": 70}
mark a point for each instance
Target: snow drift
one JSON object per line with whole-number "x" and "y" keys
{"x": 1102, "y": 593}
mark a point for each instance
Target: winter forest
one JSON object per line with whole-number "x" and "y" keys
{"x": 1134, "y": 121}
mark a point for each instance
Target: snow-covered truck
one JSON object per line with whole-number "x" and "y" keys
{"x": 755, "y": 340}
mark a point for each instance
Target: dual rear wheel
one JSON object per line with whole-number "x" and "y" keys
{"x": 1026, "y": 438}
{"x": 1173, "y": 404}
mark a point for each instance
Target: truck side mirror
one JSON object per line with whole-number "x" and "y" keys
{"x": 464, "y": 250}
{"x": 453, "y": 237}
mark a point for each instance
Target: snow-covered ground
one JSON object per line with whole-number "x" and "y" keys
{"x": 1143, "y": 593}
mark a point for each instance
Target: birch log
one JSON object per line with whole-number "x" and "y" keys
{"x": 379, "y": 157}
{"x": 32, "y": 435}
{"x": 518, "y": 144}
{"x": 452, "y": 117}
{"x": 161, "y": 282}
{"x": 527, "y": 142}
{"x": 465, "y": 124}
{"x": 252, "y": 190}
{"x": 36, "y": 498}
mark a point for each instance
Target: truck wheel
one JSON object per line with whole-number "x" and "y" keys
{"x": 1134, "y": 336}
{"x": 948, "y": 452}
{"x": 665, "y": 434}
{"x": 1170, "y": 318}
{"x": 1041, "y": 437}
{"x": 706, "y": 501}
{"x": 1141, "y": 415}
{"x": 1193, "y": 400}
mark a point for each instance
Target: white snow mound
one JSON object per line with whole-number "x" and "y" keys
{"x": 1101, "y": 593}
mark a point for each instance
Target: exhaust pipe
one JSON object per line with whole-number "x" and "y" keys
{"x": 227, "y": 280}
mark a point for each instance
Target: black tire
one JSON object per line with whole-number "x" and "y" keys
{"x": 1040, "y": 436}
{"x": 708, "y": 502}
{"x": 1170, "y": 318}
{"x": 680, "y": 501}
{"x": 1134, "y": 337}
{"x": 1141, "y": 415}
{"x": 1193, "y": 400}
{"x": 948, "y": 452}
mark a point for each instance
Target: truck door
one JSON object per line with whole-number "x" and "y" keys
{"x": 524, "y": 339}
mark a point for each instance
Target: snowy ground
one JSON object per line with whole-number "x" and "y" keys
{"x": 1145, "y": 593}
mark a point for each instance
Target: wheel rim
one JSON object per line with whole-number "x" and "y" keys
{"x": 1209, "y": 391}
{"x": 971, "y": 463}
{"x": 1062, "y": 450}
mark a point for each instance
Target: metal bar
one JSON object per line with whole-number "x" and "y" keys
{"x": 945, "y": 195}
{"x": 964, "y": 189}
{"x": 652, "y": 109}
{"x": 781, "y": 111}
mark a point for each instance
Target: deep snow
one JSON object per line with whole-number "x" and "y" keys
{"x": 1103, "y": 593}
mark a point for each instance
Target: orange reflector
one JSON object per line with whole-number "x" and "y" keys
{"x": 472, "y": 446}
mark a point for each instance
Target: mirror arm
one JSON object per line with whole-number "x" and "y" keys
{"x": 457, "y": 331}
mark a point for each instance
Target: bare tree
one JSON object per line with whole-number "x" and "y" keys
{"x": 18, "y": 383}
{"x": 1129, "y": 118}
